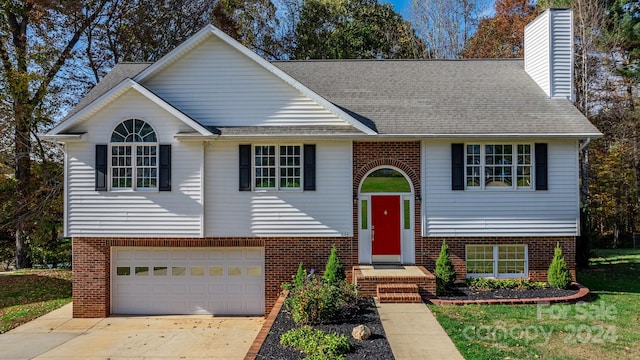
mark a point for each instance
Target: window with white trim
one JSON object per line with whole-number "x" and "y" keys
{"x": 498, "y": 166}
{"x": 134, "y": 156}
{"x": 498, "y": 261}
{"x": 277, "y": 167}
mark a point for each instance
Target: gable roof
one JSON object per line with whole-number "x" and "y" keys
{"x": 466, "y": 98}
{"x": 114, "y": 77}
{"x": 112, "y": 94}
{"x": 211, "y": 30}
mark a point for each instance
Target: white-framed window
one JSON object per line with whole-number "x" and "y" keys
{"x": 498, "y": 166}
{"x": 498, "y": 261}
{"x": 134, "y": 156}
{"x": 277, "y": 167}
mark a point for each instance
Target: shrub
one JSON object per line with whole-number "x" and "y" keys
{"x": 490, "y": 284}
{"x": 318, "y": 302}
{"x": 559, "y": 275}
{"x": 334, "y": 271}
{"x": 317, "y": 344}
{"x": 301, "y": 274}
{"x": 445, "y": 273}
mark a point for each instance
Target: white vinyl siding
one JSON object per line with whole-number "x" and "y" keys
{"x": 553, "y": 212}
{"x": 327, "y": 211}
{"x": 561, "y": 54}
{"x": 217, "y": 85}
{"x": 175, "y": 213}
{"x": 548, "y": 55}
{"x": 536, "y": 51}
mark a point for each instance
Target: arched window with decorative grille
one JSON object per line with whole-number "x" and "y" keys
{"x": 134, "y": 156}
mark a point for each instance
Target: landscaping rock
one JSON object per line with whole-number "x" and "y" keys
{"x": 361, "y": 332}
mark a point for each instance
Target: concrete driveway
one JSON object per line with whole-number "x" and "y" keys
{"x": 58, "y": 336}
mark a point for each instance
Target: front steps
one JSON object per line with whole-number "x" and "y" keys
{"x": 398, "y": 293}
{"x": 398, "y": 284}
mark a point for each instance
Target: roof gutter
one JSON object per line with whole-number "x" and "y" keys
{"x": 62, "y": 138}
{"x": 585, "y": 143}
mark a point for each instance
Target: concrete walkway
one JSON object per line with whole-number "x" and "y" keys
{"x": 415, "y": 334}
{"x": 56, "y": 336}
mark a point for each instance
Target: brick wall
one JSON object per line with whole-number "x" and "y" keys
{"x": 91, "y": 285}
{"x": 540, "y": 251}
{"x": 92, "y": 261}
{"x": 403, "y": 155}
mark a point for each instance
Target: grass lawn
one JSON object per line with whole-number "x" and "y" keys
{"x": 608, "y": 327}
{"x": 28, "y": 294}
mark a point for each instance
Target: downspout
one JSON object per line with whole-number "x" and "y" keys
{"x": 584, "y": 185}
{"x": 65, "y": 180}
{"x": 585, "y": 144}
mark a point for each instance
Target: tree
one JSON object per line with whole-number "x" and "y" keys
{"x": 624, "y": 35}
{"x": 353, "y": 29}
{"x": 251, "y": 22}
{"x": 590, "y": 18}
{"x": 446, "y": 25}
{"x": 558, "y": 275}
{"x": 37, "y": 39}
{"x": 502, "y": 36}
{"x": 334, "y": 271}
{"x": 445, "y": 273}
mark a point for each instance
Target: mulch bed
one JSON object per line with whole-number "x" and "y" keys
{"x": 463, "y": 292}
{"x": 376, "y": 347}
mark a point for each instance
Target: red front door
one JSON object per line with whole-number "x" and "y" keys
{"x": 385, "y": 223}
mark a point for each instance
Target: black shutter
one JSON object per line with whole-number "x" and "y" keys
{"x": 457, "y": 166}
{"x": 164, "y": 178}
{"x": 541, "y": 167}
{"x": 309, "y": 167}
{"x": 101, "y": 167}
{"x": 245, "y": 168}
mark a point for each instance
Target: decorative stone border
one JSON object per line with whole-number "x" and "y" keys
{"x": 266, "y": 327}
{"x": 582, "y": 294}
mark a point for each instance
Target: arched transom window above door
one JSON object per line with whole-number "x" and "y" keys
{"x": 385, "y": 180}
{"x": 134, "y": 156}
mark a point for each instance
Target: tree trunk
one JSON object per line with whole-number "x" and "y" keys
{"x": 22, "y": 260}
{"x": 23, "y": 186}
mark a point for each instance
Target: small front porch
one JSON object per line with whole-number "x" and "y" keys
{"x": 395, "y": 283}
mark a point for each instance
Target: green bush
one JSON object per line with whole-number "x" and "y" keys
{"x": 490, "y": 284}
{"x": 559, "y": 275}
{"x": 301, "y": 275}
{"x": 445, "y": 273}
{"x": 317, "y": 302}
{"x": 317, "y": 344}
{"x": 334, "y": 271}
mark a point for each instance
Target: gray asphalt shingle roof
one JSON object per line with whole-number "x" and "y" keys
{"x": 440, "y": 97}
{"x": 413, "y": 97}
{"x": 119, "y": 73}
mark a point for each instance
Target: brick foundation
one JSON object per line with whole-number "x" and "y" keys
{"x": 540, "y": 251}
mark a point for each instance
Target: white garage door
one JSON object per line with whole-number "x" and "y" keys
{"x": 219, "y": 281}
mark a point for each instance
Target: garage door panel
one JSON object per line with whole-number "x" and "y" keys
{"x": 216, "y": 289}
{"x": 221, "y": 281}
{"x": 216, "y": 255}
{"x": 254, "y": 289}
{"x": 198, "y": 289}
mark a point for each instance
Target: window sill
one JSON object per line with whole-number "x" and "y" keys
{"x": 133, "y": 191}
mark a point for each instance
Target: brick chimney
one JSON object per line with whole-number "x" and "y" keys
{"x": 548, "y": 52}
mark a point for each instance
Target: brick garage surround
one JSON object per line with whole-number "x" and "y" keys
{"x": 540, "y": 251}
{"x": 92, "y": 263}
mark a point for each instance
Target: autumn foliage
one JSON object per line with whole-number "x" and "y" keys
{"x": 502, "y": 36}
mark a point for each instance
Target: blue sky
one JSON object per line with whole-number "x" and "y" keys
{"x": 401, "y": 6}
